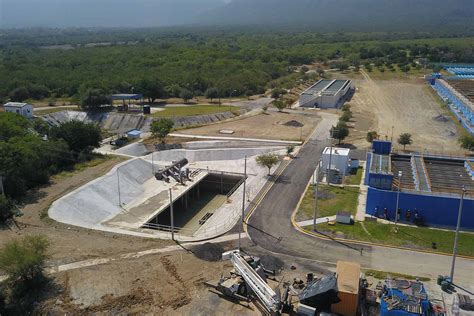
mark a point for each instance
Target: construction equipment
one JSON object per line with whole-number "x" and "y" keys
{"x": 247, "y": 281}
{"x": 177, "y": 171}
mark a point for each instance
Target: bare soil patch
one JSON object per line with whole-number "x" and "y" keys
{"x": 156, "y": 284}
{"x": 270, "y": 125}
{"x": 409, "y": 107}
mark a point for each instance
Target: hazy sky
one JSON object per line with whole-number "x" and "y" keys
{"x": 88, "y": 13}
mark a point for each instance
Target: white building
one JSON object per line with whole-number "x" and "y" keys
{"x": 339, "y": 158}
{"x": 326, "y": 94}
{"x": 23, "y": 109}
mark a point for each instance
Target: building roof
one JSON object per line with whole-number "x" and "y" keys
{"x": 127, "y": 96}
{"x": 348, "y": 274}
{"x": 326, "y": 87}
{"x": 134, "y": 132}
{"x": 337, "y": 151}
{"x": 15, "y": 104}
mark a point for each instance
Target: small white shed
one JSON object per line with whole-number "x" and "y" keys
{"x": 24, "y": 109}
{"x": 339, "y": 158}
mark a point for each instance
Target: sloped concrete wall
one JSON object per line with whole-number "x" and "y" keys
{"x": 98, "y": 200}
{"x": 120, "y": 122}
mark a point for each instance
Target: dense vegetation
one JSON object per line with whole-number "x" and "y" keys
{"x": 184, "y": 63}
{"x": 28, "y": 160}
{"x": 23, "y": 261}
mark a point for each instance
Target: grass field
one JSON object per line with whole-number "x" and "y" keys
{"x": 382, "y": 275}
{"x": 192, "y": 110}
{"x": 355, "y": 177}
{"x": 410, "y": 237}
{"x": 56, "y": 109}
{"x": 330, "y": 201}
{"x": 78, "y": 167}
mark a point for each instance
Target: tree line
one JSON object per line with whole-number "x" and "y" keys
{"x": 32, "y": 151}
{"x": 183, "y": 64}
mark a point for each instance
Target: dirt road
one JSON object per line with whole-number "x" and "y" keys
{"x": 408, "y": 106}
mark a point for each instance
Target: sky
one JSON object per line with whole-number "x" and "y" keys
{"x": 101, "y": 13}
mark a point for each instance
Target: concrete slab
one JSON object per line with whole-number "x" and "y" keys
{"x": 128, "y": 196}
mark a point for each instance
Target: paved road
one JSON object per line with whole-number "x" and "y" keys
{"x": 270, "y": 227}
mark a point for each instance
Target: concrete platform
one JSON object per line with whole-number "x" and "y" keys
{"x": 101, "y": 205}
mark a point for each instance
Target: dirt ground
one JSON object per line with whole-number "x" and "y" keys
{"x": 165, "y": 284}
{"x": 408, "y": 106}
{"x": 69, "y": 243}
{"x": 270, "y": 125}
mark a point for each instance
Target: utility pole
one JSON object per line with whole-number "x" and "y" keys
{"x": 152, "y": 164}
{"x": 455, "y": 247}
{"x": 315, "y": 210}
{"x": 398, "y": 198}
{"x": 243, "y": 203}
{"x": 330, "y": 156}
{"x": 118, "y": 186}
{"x": 172, "y": 215}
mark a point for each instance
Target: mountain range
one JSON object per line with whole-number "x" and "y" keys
{"x": 326, "y": 15}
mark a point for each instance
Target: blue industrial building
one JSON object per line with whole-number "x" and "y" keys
{"x": 461, "y": 71}
{"x": 458, "y": 94}
{"x": 430, "y": 188}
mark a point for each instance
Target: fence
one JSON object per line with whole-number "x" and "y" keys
{"x": 434, "y": 209}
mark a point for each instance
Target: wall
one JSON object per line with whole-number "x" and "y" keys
{"x": 436, "y": 211}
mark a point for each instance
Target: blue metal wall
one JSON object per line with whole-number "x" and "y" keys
{"x": 381, "y": 147}
{"x": 435, "y": 210}
{"x": 461, "y": 110}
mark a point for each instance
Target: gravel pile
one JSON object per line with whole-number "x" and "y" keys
{"x": 272, "y": 263}
{"x": 208, "y": 252}
{"x": 441, "y": 118}
{"x": 293, "y": 123}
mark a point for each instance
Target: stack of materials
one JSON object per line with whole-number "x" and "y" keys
{"x": 348, "y": 275}
{"x": 403, "y": 298}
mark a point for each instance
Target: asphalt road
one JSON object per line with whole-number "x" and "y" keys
{"x": 270, "y": 226}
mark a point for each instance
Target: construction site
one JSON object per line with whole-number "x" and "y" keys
{"x": 197, "y": 226}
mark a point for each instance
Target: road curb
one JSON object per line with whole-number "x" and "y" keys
{"x": 250, "y": 212}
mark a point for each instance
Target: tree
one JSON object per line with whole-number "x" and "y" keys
{"x": 346, "y": 108}
{"x": 267, "y": 161}
{"x": 6, "y": 206}
{"x": 23, "y": 260}
{"x": 467, "y": 142}
{"x": 80, "y": 136}
{"x": 405, "y": 139}
{"x": 248, "y": 94}
{"x": 40, "y": 126}
{"x": 93, "y": 99}
{"x": 371, "y": 136}
{"x": 280, "y": 105}
{"x": 290, "y": 149}
{"x": 340, "y": 131}
{"x": 186, "y": 95}
{"x": 211, "y": 93}
{"x": 12, "y": 125}
{"x": 346, "y": 116}
{"x": 19, "y": 94}
{"x": 152, "y": 89}
{"x": 161, "y": 128}
{"x": 276, "y": 93}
